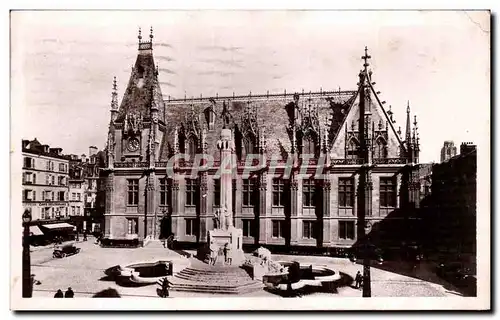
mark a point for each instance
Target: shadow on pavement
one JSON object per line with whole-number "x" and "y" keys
{"x": 107, "y": 293}
{"x": 329, "y": 287}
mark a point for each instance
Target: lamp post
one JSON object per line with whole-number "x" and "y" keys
{"x": 27, "y": 281}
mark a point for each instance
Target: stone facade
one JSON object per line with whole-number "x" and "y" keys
{"x": 277, "y": 199}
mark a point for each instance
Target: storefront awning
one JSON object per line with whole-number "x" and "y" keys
{"x": 35, "y": 231}
{"x": 59, "y": 226}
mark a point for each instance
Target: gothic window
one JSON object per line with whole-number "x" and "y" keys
{"x": 191, "y": 227}
{"x": 380, "y": 149}
{"x": 308, "y": 229}
{"x": 308, "y": 191}
{"x": 278, "y": 228}
{"x": 346, "y": 192}
{"x": 210, "y": 117}
{"x": 249, "y": 145}
{"x": 192, "y": 147}
{"x": 248, "y": 228}
{"x": 309, "y": 145}
{"x": 133, "y": 192}
{"x": 346, "y": 230}
{"x": 248, "y": 192}
{"x": 164, "y": 192}
{"x": 191, "y": 192}
{"x": 278, "y": 192}
{"x": 387, "y": 192}
{"x": 352, "y": 150}
{"x": 217, "y": 192}
{"x": 132, "y": 225}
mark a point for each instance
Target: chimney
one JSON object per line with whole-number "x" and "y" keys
{"x": 467, "y": 147}
{"x": 92, "y": 151}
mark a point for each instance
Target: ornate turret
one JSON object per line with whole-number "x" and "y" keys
{"x": 114, "y": 101}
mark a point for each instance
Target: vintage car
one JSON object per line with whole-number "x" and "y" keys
{"x": 61, "y": 251}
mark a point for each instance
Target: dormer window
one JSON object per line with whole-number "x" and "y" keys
{"x": 309, "y": 145}
{"x": 192, "y": 147}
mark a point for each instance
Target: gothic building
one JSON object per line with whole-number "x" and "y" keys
{"x": 343, "y": 135}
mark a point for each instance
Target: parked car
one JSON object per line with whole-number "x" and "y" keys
{"x": 65, "y": 250}
{"x": 459, "y": 275}
{"x": 369, "y": 251}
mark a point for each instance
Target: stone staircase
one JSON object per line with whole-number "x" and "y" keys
{"x": 201, "y": 277}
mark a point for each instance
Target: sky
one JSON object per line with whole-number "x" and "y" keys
{"x": 63, "y": 64}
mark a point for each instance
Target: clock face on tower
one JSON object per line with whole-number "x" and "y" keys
{"x": 133, "y": 144}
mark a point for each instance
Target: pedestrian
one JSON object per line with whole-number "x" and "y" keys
{"x": 85, "y": 235}
{"x": 69, "y": 293}
{"x": 164, "y": 288}
{"x": 59, "y": 294}
{"x": 225, "y": 253}
{"x": 229, "y": 256}
{"x": 357, "y": 280}
{"x": 362, "y": 282}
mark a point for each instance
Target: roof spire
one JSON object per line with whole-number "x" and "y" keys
{"x": 366, "y": 57}
{"x": 408, "y": 123}
{"x": 145, "y": 45}
{"x": 114, "y": 96}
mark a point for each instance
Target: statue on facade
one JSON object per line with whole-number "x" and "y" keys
{"x": 217, "y": 219}
{"x": 228, "y": 221}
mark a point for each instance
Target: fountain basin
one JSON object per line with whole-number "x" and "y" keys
{"x": 300, "y": 276}
{"x": 142, "y": 272}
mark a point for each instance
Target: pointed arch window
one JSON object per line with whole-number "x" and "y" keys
{"x": 192, "y": 148}
{"x": 309, "y": 145}
{"x": 380, "y": 149}
{"x": 249, "y": 145}
{"x": 352, "y": 149}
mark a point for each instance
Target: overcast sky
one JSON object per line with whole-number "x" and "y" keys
{"x": 63, "y": 64}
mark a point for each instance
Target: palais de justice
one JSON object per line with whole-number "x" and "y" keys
{"x": 144, "y": 201}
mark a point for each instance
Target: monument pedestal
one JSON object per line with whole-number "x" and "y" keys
{"x": 233, "y": 238}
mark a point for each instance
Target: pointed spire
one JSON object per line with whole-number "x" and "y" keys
{"x": 176, "y": 140}
{"x": 139, "y": 36}
{"x": 408, "y": 123}
{"x": 151, "y": 34}
{"x": 114, "y": 96}
{"x": 366, "y": 57}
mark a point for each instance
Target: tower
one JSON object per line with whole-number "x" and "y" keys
{"x": 449, "y": 150}
{"x": 137, "y": 125}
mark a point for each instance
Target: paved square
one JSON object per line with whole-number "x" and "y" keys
{"x": 84, "y": 273}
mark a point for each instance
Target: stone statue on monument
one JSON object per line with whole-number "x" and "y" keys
{"x": 217, "y": 219}
{"x": 226, "y": 218}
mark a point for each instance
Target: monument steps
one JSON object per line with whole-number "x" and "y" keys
{"x": 216, "y": 289}
{"x": 200, "y": 277}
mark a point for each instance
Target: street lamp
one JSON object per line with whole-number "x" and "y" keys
{"x": 27, "y": 281}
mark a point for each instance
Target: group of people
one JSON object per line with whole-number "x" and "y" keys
{"x": 164, "y": 288}
{"x": 215, "y": 251}
{"x": 68, "y": 294}
{"x": 358, "y": 280}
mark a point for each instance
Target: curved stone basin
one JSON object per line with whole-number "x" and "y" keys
{"x": 142, "y": 272}
{"x": 307, "y": 275}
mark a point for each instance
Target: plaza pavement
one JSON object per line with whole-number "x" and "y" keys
{"x": 84, "y": 273}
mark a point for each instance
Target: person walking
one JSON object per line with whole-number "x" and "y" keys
{"x": 69, "y": 293}
{"x": 164, "y": 288}
{"x": 59, "y": 294}
{"x": 225, "y": 254}
{"x": 357, "y": 280}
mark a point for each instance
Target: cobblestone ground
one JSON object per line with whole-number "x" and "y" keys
{"x": 84, "y": 274}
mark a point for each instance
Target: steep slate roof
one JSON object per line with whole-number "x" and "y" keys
{"x": 141, "y": 89}
{"x": 271, "y": 116}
